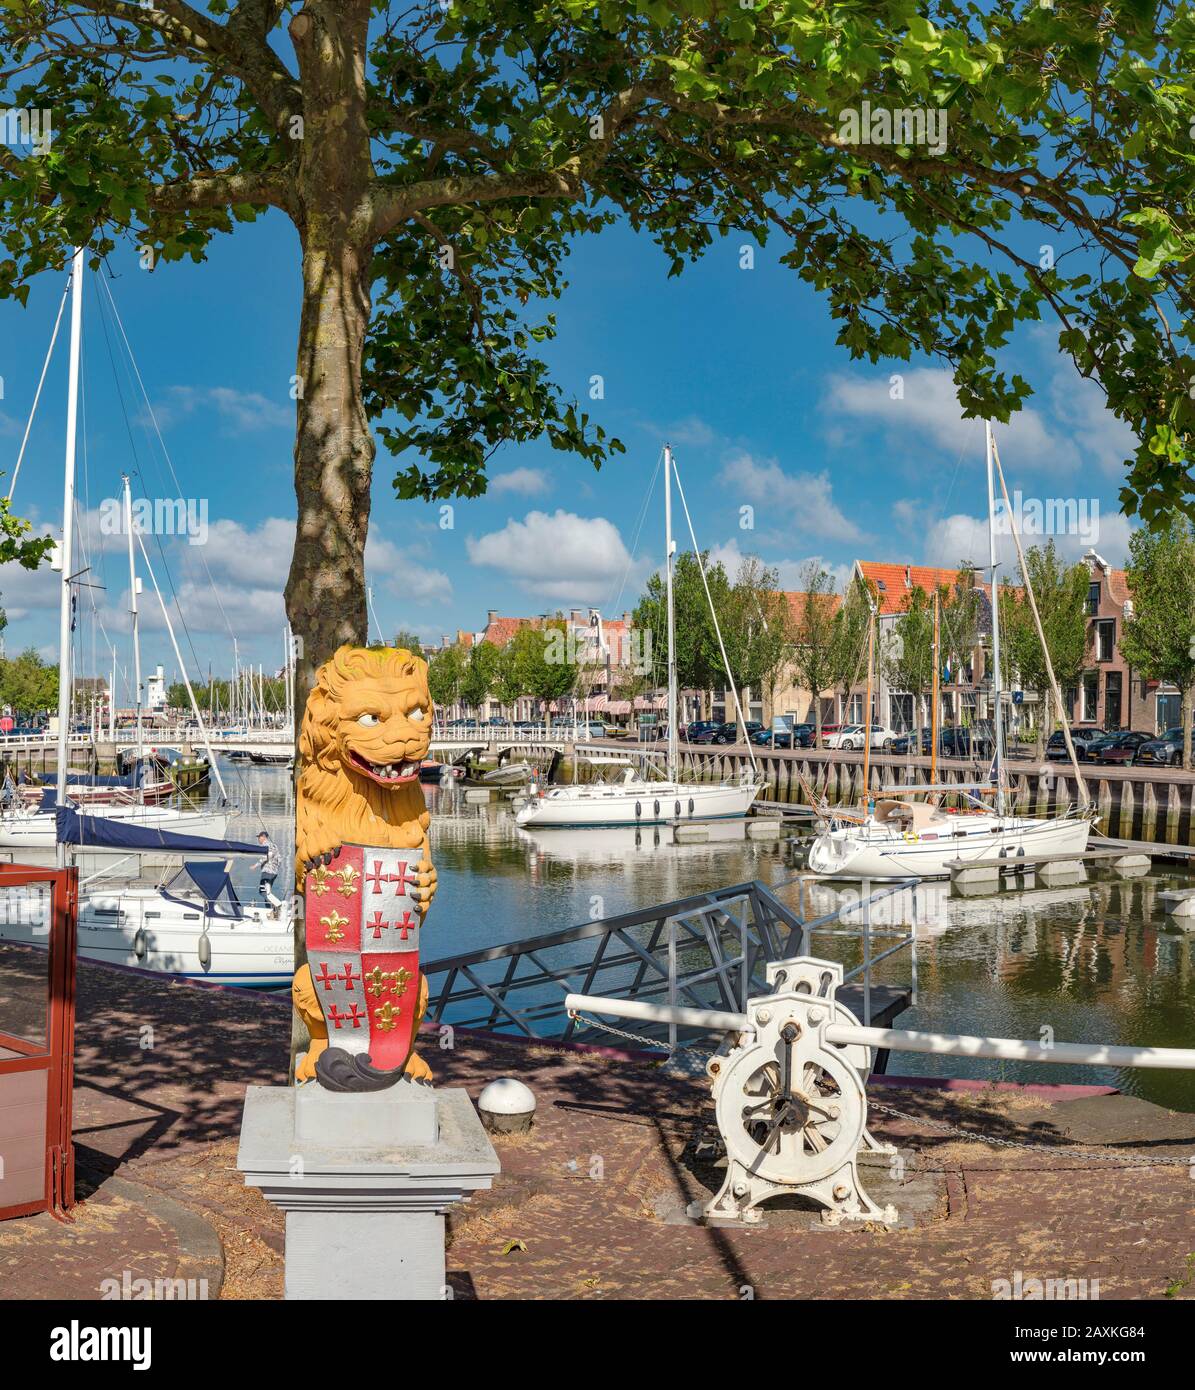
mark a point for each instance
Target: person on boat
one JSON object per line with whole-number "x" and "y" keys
{"x": 271, "y": 867}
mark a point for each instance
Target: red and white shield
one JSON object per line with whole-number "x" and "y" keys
{"x": 362, "y": 926}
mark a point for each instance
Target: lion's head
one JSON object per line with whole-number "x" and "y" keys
{"x": 366, "y": 729}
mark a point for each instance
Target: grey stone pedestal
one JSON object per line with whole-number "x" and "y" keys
{"x": 364, "y": 1181}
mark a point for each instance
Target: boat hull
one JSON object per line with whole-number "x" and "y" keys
{"x": 254, "y": 951}
{"x": 653, "y": 803}
{"x": 867, "y": 852}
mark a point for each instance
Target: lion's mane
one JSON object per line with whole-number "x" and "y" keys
{"x": 332, "y": 807}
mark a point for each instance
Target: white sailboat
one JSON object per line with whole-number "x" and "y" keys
{"x": 193, "y": 926}
{"x": 31, "y": 830}
{"x": 634, "y": 799}
{"x": 899, "y": 837}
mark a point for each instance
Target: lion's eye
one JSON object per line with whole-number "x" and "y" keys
{"x": 367, "y": 719}
{"x": 417, "y": 715}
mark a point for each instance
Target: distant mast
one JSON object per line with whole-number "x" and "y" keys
{"x": 68, "y": 544}
{"x": 996, "y": 692}
{"x": 669, "y": 553}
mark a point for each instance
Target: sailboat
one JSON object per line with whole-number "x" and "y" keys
{"x": 898, "y": 837}
{"x": 633, "y": 799}
{"x": 27, "y": 829}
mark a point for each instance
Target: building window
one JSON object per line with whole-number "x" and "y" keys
{"x": 1091, "y": 697}
{"x": 1105, "y": 639}
{"x": 1093, "y": 600}
{"x": 854, "y": 710}
{"x": 900, "y": 707}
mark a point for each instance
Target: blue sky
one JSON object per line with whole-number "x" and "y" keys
{"x": 737, "y": 367}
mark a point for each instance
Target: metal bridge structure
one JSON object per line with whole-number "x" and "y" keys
{"x": 710, "y": 951}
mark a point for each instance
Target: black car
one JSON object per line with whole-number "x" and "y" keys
{"x": 704, "y": 731}
{"x": 1118, "y": 749}
{"x": 1083, "y": 739}
{"x": 1166, "y": 749}
{"x": 729, "y": 733}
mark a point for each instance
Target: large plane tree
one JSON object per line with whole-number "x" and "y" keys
{"x": 436, "y": 159}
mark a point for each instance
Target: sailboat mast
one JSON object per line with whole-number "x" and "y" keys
{"x": 128, "y": 521}
{"x": 936, "y": 697}
{"x": 669, "y": 553}
{"x": 68, "y": 542}
{"x": 871, "y": 640}
{"x": 996, "y": 690}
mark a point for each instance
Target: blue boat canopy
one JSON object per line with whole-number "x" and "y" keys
{"x": 76, "y": 829}
{"x": 213, "y": 881}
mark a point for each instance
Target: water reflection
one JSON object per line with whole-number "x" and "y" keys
{"x": 1092, "y": 960}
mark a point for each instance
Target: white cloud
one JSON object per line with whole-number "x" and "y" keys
{"x": 806, "y": 498}
{"x": 1071, "y": 428}
{"x": 791, "y": 574}
{"x": 240, "y": 412}
{"x": 562, "y": 556}
{"x": 528, "y": 482}
{"x": 956, "y": 539}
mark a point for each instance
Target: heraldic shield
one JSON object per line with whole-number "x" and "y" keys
{"x": 362, "y": 929}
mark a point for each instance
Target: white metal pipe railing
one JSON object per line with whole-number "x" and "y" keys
{"x": 901, "y": 1040}
{"x": 645, "y": 1012}
{"x": 1014, "y": 1049}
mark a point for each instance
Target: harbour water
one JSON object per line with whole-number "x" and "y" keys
{"x": 1092, "y": 961}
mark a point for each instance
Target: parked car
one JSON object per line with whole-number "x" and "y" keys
{"x": 845, "y": 736}
{"x": 773, "y": 737}
{"x": 692, "y": 732}
{"x": 1081, "y": 738}
{"x": 851, "y": 736}
{"x": 1166, "y": 749}
{"x": 729, "y": 733}
{"x": 1120, "y": 748}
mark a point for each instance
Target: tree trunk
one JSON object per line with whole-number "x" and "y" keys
{"x": 334, "y": 450}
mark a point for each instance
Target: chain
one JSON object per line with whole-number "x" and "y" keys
{"x": 654, "y": 1044}
{"x": 1101, "y": 1157}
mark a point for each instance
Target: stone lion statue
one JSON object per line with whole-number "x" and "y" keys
{"x": 366, "y": 730}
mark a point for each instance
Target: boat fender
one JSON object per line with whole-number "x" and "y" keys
{"x": 205, "y": 951}
{"x": 678, "y": 810}
{"x": 690, "y": 805}
{"x": 638, "y": 810}
{"x": 139, "y": 944}
{"x": 656, "y": 811}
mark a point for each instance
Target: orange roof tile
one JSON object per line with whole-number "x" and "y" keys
{"x": 501, "y": 630}
{"x": 796, "y": 605}
{"x": 894, "y": 583}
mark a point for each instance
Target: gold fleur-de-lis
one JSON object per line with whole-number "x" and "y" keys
{"x": 348, "y": 877}
{"x": 399, "y": 981}
{"x": 334, "y": 925}
{"x": 317, "y": 881}
{"x": 387, "y": 1016}
{"x": 375, "y": 980}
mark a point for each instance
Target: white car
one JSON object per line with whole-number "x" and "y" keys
{"x": 850, "y": 736}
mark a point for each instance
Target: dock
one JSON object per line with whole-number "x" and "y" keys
{"x": 157, "y": 1131}
{"x": 1046, "y": 866}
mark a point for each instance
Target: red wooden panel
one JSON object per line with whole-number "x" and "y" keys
{"x": 37, "y": 1078}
